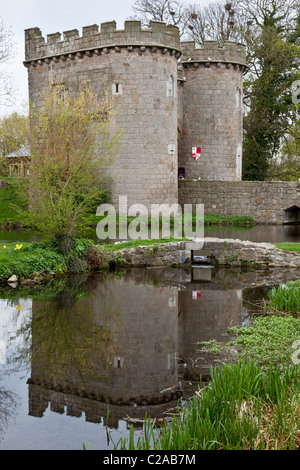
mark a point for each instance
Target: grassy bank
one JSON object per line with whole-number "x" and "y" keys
{"x": 288, "y": 246}
{"x": 209, "y": 219}
{"x": 25, "y": 259}
{"x": 245, "y": 407}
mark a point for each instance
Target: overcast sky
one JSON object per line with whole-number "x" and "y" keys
{"x": 53, "y": 16}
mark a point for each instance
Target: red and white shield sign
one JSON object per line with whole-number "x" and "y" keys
{"x": 196, "y": 295}
{"x": 196, "y": 152}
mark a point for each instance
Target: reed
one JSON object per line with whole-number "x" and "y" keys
{"x": 286, "y": 297}
{"x": 245, "y": 406}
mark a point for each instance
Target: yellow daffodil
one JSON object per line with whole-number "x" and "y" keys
{"x": 19, "y": 307}
{"x": 4, "y": 247}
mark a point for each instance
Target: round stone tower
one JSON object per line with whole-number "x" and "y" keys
{"x": 212, "y": 116}
{"x": 138, "y": 68}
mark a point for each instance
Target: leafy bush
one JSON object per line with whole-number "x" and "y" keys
{"x": 28, "y": 259}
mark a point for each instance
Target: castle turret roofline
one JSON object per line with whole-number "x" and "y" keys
{"x": 158, "y": 35}
{"x": 211, "y": 52}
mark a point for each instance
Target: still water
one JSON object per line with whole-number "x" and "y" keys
{"x": 258, "y": 233}
{"x": 127, "y": 342}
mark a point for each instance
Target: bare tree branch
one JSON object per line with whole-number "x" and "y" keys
{"x": 168, "y": 11}
{"x": 7, "y": 51}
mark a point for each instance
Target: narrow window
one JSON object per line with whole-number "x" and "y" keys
{"x": 171, "y": 86}
{"x": 240, "y": 99}
{"x": 116, "y": 89}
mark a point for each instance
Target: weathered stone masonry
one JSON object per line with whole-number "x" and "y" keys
{"x": 212, "y": 110}
{"x": 273, "y": 202}
{"x": 162, "y": 110}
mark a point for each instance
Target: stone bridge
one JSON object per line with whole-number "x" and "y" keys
{"x": 215, "y": 251}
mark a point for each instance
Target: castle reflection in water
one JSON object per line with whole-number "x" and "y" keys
{"x": 130, "y": 341}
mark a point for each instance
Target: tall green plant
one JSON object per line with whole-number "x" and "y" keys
{"x": 245, "y": 406}
{"x": 72, "y": 142}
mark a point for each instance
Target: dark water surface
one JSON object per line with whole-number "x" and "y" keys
{"x": 258, "y": 233}
{"x": 18, "y": 235}
{"x": 128, "y": 342}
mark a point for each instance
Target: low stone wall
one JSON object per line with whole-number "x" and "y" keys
{"x": 265, "y": 202}
{"x": 245, "y": 253}
{"x": 166, "y": 254}
{"x": 221, "y": 252}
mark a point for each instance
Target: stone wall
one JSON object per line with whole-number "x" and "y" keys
{"x": 230, "y": 53}
{"x": 248, "y": 254}
{"x": 265, "y": 202}
{"x": 165, "y": 254}
{"x": 215, "y": 251}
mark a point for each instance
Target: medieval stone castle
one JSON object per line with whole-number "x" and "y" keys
{"x": 171, "y": 100}
{"x": 179, "y": 109}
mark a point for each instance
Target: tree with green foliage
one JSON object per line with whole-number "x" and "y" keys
{"x": 72, "y": 141}
{"x": 269, "y": 99}
{"x": 13, "y": 132}
{"x": 12, "y": 137}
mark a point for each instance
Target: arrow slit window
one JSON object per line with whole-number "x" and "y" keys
{"x": 171, "y": 87}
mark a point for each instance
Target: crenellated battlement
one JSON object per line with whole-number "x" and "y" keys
{"x": 211, "y": 52}
{"x": 158, "y": 35}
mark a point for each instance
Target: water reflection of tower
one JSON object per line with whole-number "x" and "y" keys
{"x": 204, "y": 318}
{"x": 117, "y": 346}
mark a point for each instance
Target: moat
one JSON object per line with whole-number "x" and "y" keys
{"x": 257, "y": 233}
{"x": 84, "y": 357}
{"x": 127, "y": 342}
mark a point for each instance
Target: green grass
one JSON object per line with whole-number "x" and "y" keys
{"x": 245, "y": 406}
{"x": 269, "y": 338}
{"x": 108, "y": 248}
{"x": 28, "y": 258}
{"x": 289, "y": 246}
{"x": 210, "y": 219}
{"x": 9, "y": 197}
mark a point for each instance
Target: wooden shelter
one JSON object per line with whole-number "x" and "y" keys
{"x": 19, "y": 162}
